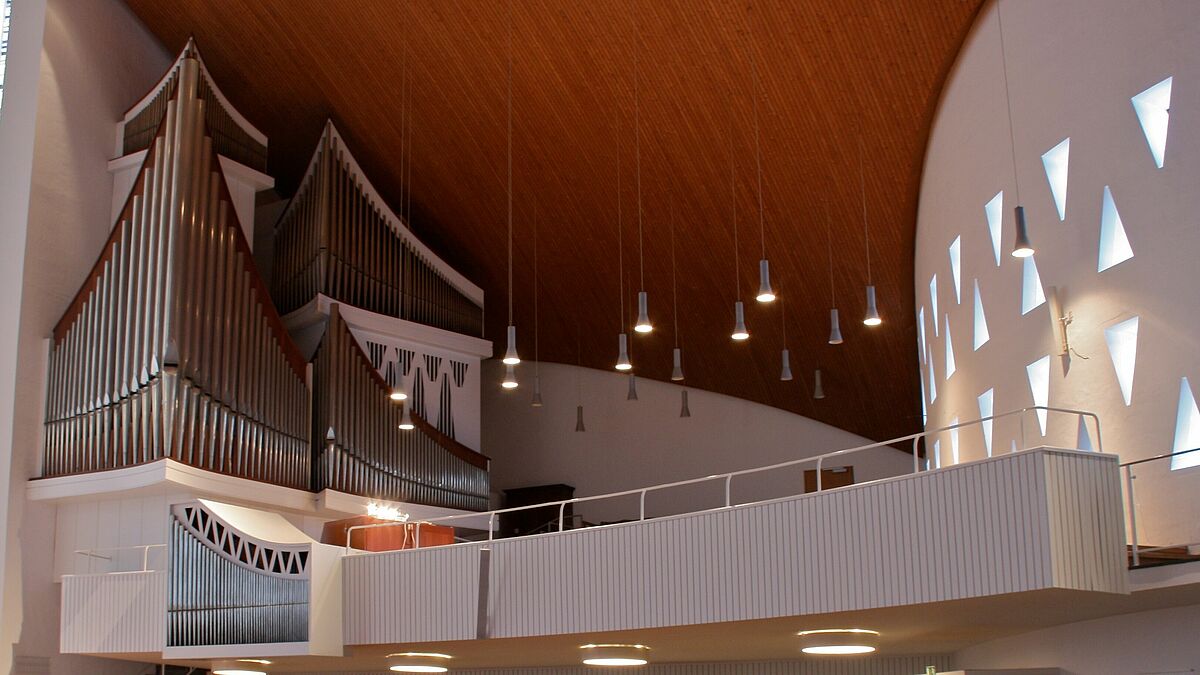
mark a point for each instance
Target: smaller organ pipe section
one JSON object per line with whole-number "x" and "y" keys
{"x": 366, "y": 452}
{"x": 226, "y": 587}
{"x": 335, "y": 239}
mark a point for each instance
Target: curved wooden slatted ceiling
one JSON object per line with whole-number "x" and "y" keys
{"x": 831, "y": 72}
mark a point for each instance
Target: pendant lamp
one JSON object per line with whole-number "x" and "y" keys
{"x": 676, "y": 353}
{"x": 632, "y": 395}
{"x": 871, "y": 318}
{"x": 643, "y": 324}
{"x": 684, "y": 411}
{"x": 510, "y": 355}
{"x": 510, "y": 377}
{"x": 818, "y": 389}
{"x": 835, "y": 328}
{"x": 765, "y": 292}
{"x": 786, "y": 374}
{"x": 406, "y": 422}
{"x": 1022, "y": 247}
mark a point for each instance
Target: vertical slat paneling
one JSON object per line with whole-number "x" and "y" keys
{"x": 114, "y": 613}
{"x": 984, "y": 528}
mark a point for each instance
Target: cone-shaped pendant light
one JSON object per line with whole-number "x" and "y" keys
{"x": 623, "y": 362}
{"x": 398, "y": 394}
{"x": 765, "y": 292}
{"x": 632, "y": 395}
{"x": 739, "y": 322}
{"x": 872, "y": 315}
{"x": 818, "y": 388}
{"x": 871, "y": 318}
{"x": 786, "y": 373}
{"x": 684, "y": 411}
{"x": 643, "y": 324}
{"x": 510, "y": 377}
{"x": 406, "y": 422}
{"x": 835, "y": 328}
{"x": 677, "y": 364}
{"x": 1022, "y": 247}
{"x": 536, "y": 401}
{"x": 579, "y": 419}
{"x": 510, "y": 355}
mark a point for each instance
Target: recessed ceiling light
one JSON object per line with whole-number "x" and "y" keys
{"x": 839, "y": 641}
{"x": 237, "y": 671}
{"x": 614, "y": 655}
{"x": 418, "y": 662}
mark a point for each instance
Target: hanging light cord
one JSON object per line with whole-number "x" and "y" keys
{"x": 620, "y": 234}
{"x": 762, "y": 232}
{"x": 408, "y": 145}
{"x": 535, "y": 290}
{"x": 829, "y": 245}
{"x": 510, "y": 202}
{"x": 862, "y": 181}
{"x": 405, "y": 188}
{"x": 783, "y": 320}
{"x": 637, "y": 125}
{"x": 1012, "y": 134}
{"x": 674, "y": 292}
{"x": 733, "y": 202}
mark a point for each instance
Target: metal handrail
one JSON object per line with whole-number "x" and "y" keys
{"x": 93, "y": 553}
{"x": 1136, "y": 550}
{"x": 729, "y": 476}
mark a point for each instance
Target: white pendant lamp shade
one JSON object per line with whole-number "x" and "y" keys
{"x": 643, "y": 321}
{"x": 398, "y": 394}
{"x": 786, "y": 373}
{"x": 579, "y": 419}
{"x": 1022, "y": 248}
{"x": 818, "y": 388}
{"x": 835, "y": 328}
{"x": 510, "y": 378}
{"x": 536, "y": 402}
{"x": 765, "y": 292}
{"x": 677, "y": 364}
{"x": 632, "y": 395}
{"x": 872, "y": 317}
{"x": 623, "y": 362}
{"x": 684, "y": 411}
{"x": 406, "y": 422}
{"x": 418, "y": 662}
{"x": 510, "y": 356}
{"x": 615, "y": 655}
{"x": 739, "y": 322}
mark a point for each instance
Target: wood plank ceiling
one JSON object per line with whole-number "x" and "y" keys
{"x": 831, "y": 73}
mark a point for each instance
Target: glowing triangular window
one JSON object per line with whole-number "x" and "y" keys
{"x": 985, "y": 410}
{"x": 950, "y": 367}
{"x": 932, "y": 377}
{"x": 981, "y": 329}
{"x": 1187, "y": 429}
{"x": 994, "y": 210}
{"x": 933, "y": 301}
{"x": 1122, "y": 348}
{"x": 1038, "y": 373}
{"x": 1153, "y": 108}
{"x": 1032, "y": 295}
{"x": 1114, "y": 245}
{"x": 955, "y": 263}
{"x": 937, "y": 454}
{"x": 1083, "y": 438}
{"x": 1055, "y": 162}
{"x": 921, "y": 331}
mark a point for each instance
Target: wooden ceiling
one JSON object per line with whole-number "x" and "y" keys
{"x": 831, "y": 73}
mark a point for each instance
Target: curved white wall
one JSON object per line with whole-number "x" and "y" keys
{"x": 633, "y": 444}
{"x": 1073, "y": 66}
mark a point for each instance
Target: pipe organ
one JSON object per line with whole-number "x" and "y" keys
{"x": 336, "y": 238}
{"x": 173, "y": 348}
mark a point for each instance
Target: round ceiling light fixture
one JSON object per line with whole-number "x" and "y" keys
{"x": 418, "y": 662}
{"x": 615, "y": 655}
{"x": 838, "y": 641}
{"x": 241, "y": 667}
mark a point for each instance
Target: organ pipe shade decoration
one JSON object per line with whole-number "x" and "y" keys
{"x": 225, "y": 587}
{"x": 337, "y": 238}
{"x": 173, "y": 349}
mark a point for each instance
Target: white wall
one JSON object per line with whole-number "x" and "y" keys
{"x": 1158, "y": 642}
{"x": 1072, "y": 67}
{"x": 95, "y": 59}
{"x": 631, "y": 444}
